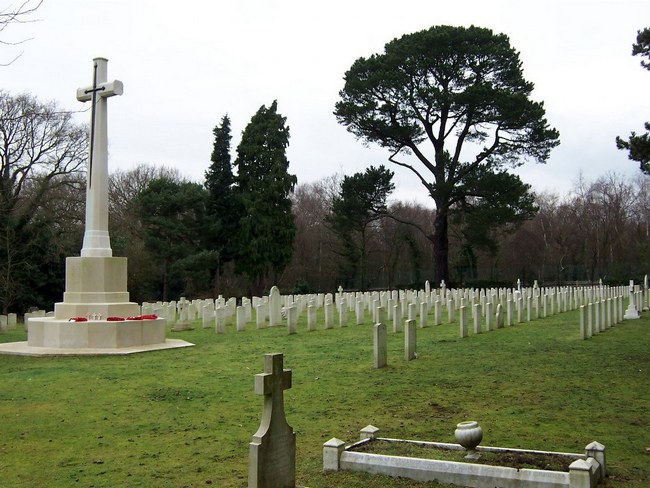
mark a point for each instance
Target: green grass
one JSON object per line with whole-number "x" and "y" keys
{"x": 184, "y": 417}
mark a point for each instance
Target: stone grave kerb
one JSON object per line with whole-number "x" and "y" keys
{"x": 272, "y": 452}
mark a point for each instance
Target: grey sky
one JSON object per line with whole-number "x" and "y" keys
{"x": 185, "y": 64}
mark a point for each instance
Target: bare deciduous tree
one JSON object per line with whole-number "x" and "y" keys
{"x": 41, "y": 151}
{"x": 17, "y": 15}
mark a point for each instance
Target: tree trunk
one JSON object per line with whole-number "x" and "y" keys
{"x": 362, "y": 260}
{"x": 440, "y": 241}
{"x": 165, "y": 297}
{"x": 258, "y": 284}
{"x": 216, "y": 288}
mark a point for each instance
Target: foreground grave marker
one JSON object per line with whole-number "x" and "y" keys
{"x": 272, "y": 452}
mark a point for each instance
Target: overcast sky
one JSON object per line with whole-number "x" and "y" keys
{"x": 185, "y": 64}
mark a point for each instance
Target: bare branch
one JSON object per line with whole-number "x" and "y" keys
{"x": 408, "y": 222}
{"x": 19, "y": 15}
{"x": 392, "y": 159}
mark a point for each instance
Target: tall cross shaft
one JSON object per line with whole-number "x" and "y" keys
{"x": 97, "y": 241}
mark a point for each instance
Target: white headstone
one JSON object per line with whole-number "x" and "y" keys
{"x": 410, "y": 340}
{"x": 380, "y": 346}
{"x": 275, "y": 307}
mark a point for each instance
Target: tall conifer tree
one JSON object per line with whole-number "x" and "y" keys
{"x": 263, "y": 185}
{"x": 223, "y": 215}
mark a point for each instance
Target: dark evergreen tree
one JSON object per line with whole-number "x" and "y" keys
{"x": 434, "y": 93}
{"x": 222, "y": 207}
{"x": 638, "y": 146}
{"x": 172, "y": 215}
{"x": 361, "y": 202}
{"x": 263, "y": 187}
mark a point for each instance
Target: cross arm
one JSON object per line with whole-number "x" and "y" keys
{"x": 265, "y": 382}
{"x": 107, "y": 89}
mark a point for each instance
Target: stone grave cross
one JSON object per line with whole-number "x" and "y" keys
{"x": 272, "y": 453}
{"x": 183, "y": 309}
{"x": 96, "y": 239}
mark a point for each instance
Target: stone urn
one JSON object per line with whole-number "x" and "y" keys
{"x": 469, "y": 435}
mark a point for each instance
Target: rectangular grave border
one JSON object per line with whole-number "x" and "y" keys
{"x": 586, "y": 471}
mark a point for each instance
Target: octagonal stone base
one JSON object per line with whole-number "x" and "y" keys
{"x": 95, "y": 334}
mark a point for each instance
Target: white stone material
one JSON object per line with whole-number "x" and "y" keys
{"x": 489, "y": 317}
{"x": 96, "y": 241}
{"x": 469, "y": 434}
{"x": 381, "y": 314}
{"x": 95, "y": 285}
{"x": 332, "y": 451}
{"x": 586, "y": 471}
{"x": 207, "y": 316}
{"x": 329, "y": 315}
{"x": 311, "y": 317}
{"x": 499, "y": 316}
{"x": 424, "y": 311}
{"x": 631, "y": 313}
{"x": 220, "y": 320}
{"x": 275, "y": 307}
{"x": 597, "y": 451}
{"x": 241, "y": 319}
{"x": 96, "y": 301}
{"x": 343, "y": 313}
{"x": 397, "y": 319}
{"x": 260, "y": 315}
{"x": 292, "y": 320}
{"x": 94, "y": 334}
{"x": 450, "y": 311}
{"x": 460, "y": 474}
{"x": 369, "y": 432}
{"x": 410, "y": 340}
{"x": 437, "y": 311}
{"x": 359, "y": 312}
{"x": 380, "y": 346}
{"x": 463, "y": 322}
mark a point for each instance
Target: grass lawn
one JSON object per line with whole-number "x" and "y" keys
{"x": 184, "y": 417}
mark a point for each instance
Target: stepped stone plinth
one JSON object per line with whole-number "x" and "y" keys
{"x": 96, "y": 291}
{"x": 96, "y": 316}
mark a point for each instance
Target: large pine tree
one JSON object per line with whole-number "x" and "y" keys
{"x": 638, "y": 146}
{"x": 263, "y": 186}
{"x": 452, "y": 106}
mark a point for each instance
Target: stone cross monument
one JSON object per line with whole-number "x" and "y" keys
{"x": 96, "y": 239}
{"x": 96, "y": 282}
{"x": 272, "y": 452}
{"x": 96, "y": 313}
{"x": 631, "y": 313}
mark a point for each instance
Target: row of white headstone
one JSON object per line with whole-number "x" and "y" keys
{"x": 496, "y": 307}
{"x": 8, "y": 322}
{"x": 493, "y": 307}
